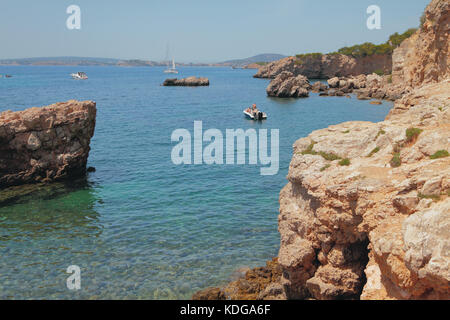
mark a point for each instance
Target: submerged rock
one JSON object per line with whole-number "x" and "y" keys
{"x": 46, "y": 144}
{"x": 188, "y": 82}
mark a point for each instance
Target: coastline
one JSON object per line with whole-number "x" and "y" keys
{"x": 374, "y": 226}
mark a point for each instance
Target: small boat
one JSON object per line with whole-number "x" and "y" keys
{"x": 171, "y": 69}
{"x": 79, "y": 76}
{"x": 8, "y": 76}
{"x": 257, "y": 116}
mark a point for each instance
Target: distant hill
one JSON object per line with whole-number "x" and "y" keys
{"x": 89, "y": 61}
{"x": 63, "y": 61}
{"x": 265, "y": 57}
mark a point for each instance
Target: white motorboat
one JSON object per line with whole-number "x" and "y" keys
{"x": 79, "y": 76}
{"x": 256, "y": 116}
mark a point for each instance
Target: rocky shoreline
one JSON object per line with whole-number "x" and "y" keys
{"x": 365, "y": 87}
{"x": 46, "y": 144}
{"x": 366, "y": 211}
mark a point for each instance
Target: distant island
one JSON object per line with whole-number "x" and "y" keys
{"x": 255, "y": 61}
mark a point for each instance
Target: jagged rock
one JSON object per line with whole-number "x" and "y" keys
{"x": 319, "y": 87}
{"x": 187, "y": 82}
{"x": 328, "y": 210}
{"x": 262, "y": 283}
{"x": 424, "y": 57}
{"x": 426, "y": 238}
{"x": 209, "y": 294}
{"x": 333, "y": 82}
{"x": 45, "y": 144}
{"x": 285, "y": 85}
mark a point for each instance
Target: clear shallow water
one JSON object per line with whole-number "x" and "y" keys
{"x": 141, "y": 227}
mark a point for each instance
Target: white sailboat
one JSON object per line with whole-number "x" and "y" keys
{"x": 171, "y": 69}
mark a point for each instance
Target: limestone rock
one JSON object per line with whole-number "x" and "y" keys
{"x": 286, "y": 85}
{"x": 333, "y": 218}
{"x": 319, "y": 87}
{"x": 45, "y": 144}
{"x": 424, "y": 57}
{"x": 326, "y": 66}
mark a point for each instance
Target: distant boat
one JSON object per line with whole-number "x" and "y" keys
{"x": 79, "y": 76}
{"x": 171, "y": 69}
{"x": 256, "y": 116}
{"x": 8, "y": 76}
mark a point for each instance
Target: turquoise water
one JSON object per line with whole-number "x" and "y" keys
{"x": 140, "y": 227}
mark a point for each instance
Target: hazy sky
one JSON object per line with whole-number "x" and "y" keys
{"x": 197, "y": 30}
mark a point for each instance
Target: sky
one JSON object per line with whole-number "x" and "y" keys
{"x": 196, "y": 30}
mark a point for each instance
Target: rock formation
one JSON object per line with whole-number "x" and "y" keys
{"x": 425, "y": 57}
{"x": 260, "y": 283}
{"x": 45, "y": 144}
{"x": 366, "y": 212}
{"x": 187, "y": 82}
{"x": 327, "y": 66}
{"x": 286, "y": 85}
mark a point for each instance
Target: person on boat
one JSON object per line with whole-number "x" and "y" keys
{"x": 254, "y": 109}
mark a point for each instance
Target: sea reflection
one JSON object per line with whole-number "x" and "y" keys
{"x": 43, "y": 230}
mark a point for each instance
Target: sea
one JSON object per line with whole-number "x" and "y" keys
{"x": 140, "y": 226}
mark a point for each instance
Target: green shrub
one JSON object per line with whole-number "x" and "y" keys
{"x": 325, "y": 167}
{"x": 412, "y": 134}
{"x": 396, "y": 39}
{"x": 344, "y": 162}
{"x": 314, "y": 55}
{"x": 389, "y": 79}
{"x": 396, "y": 161}
{"x": 423, "y": 18}
{"x": 326, "y": 155}
{"x": 375, "y": 150}
{"x": 329, "y": 156}
{"x": 434, "y": 197}
{"x": 380, "y": 133}
{"x": 439, "y": 154}
{"x": 379, "y": 72}
{"x": 347, "y": 131}
{"x": 369, "y": 49}
{"x": 309, "y": 149}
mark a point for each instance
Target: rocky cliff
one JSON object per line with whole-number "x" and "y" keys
{"x": 327, "y": 66}
{"x": 366, "y": 212}
{"x": 45, "y": 144}
{"x": 424, "y": 57}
